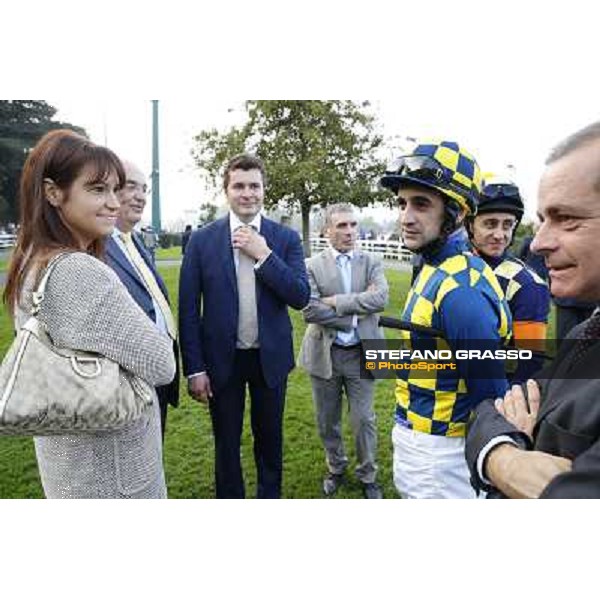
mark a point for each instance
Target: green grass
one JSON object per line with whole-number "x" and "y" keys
{"x": 189, "y": 443}
{"x": 188, "y": 449}
{"x": 172, "y": 253}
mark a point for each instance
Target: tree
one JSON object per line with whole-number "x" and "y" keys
{"x": 315, "y": 152}
{"x": 208, "y": 213}
{"x": 22, "y": 124}
{"x": 524, "y": 230}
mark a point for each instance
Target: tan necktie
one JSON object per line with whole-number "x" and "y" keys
{"x": 151, "y": 283}
{"x": 247, "y": 318}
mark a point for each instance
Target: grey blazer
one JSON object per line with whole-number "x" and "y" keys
{"x": 324, "y": 322}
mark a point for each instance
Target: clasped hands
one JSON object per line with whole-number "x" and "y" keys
{"x": 522, "y": 473}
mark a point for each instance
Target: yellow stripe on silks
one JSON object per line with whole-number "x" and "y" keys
{"x": 474, "y": 277}
{"x": 508, "y": 269}
{"x": 462, "y": 387}
{"x": 454, "y": 265}
{"x": 493, "y": 281}
{"x": 511, "y": 289}
{"x": 424, "y": 383}
{"x": 457, "y": 430}
{"x": 447, "y": 286}
{"x": 447, "y": 157}
{"x": 426, "y": 272}
{"x": 444, "y": 404}
{"x": 503, "y": 330}
{"x": 422, "y": 312}
{"x": 419, "y": 423}
{"x": 537, "y": 278}
{"x": 409, "y": 296}
{"x": 401, "y": 393}
{"x": 463, "y": 179}
{"x": 405, "y": 336}
{"x": 442, "y": 344}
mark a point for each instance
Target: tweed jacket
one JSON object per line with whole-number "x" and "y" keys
{"x": 324, "y": 322}
{"x": 86, "y": 307}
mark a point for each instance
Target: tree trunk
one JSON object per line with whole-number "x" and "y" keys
{"x": 305, "y": 208}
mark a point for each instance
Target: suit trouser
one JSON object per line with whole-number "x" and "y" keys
{"x": 327, "y": 397}
{"x": 266, "y": 415}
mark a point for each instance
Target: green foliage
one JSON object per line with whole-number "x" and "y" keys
{"x": 524, "y": 230}
{"x": 208, "y": 213}
{"x": 167, "y": 239}
{"x": 22, "y": 124}
{"x": 316, "y": 152}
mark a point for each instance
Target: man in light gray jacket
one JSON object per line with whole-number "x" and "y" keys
{"x": 348, "y": 288}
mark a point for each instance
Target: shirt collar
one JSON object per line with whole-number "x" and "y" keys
{"x": 235, "y": 222}
{"x": 455, "y": 244}
{"x": 117, "y": 233}
{"x": 336, "y": 253}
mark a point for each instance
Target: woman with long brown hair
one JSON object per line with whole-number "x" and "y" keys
{"x": 68, "y": 204}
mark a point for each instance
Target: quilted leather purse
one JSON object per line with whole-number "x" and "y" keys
{"x": 47, "y": 390}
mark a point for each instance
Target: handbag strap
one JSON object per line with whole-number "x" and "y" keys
{"x": 38, "y": 294}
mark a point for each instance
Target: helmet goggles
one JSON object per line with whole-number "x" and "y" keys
{"x": 500, "y": 190}
{"x": 427, "y": 171}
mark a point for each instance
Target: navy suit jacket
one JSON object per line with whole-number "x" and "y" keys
{"x": 208, "y": 301}
{"x": 137, "y": 289}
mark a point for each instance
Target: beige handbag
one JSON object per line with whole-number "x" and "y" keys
{"x": 47, "y": 390}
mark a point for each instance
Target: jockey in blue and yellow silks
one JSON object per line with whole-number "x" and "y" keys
{"x": 499, "y": 212}
{"x": 457, "y": 293}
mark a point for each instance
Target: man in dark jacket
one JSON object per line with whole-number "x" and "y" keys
{"x": 543, "y": 439}
{"x": 128, "y": 257}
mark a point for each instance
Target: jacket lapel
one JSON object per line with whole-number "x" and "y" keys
{"x": 116, "y": 254}
{"x": 586, "y": 366}
{"x": 331, "y": 269}
{"x": 358, "y": 266}
{"x": 224, "y": 244}
{"x": 148, "y": 260}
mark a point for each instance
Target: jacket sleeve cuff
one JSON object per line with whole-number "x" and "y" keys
{"x": 483, "y": 454}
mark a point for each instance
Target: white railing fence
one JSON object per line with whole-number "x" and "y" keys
{"x": 7, "y": 240}
{"x": 389, "y": 250}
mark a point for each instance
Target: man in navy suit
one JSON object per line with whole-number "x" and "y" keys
{"x": 127, "y": 256}
{"x": 238, "y": 277}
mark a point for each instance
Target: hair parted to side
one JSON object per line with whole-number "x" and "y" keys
{"x": 60, "y": 156}
{"x": 576, "y": 140}
{"x": 245, "y": 162}
{"x": 338, "y": 207}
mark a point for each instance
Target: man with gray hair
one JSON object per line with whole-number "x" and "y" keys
{"x": 127, "y": 255}
{"x": 543, "y": 438}
{"x": 348, "y": 287}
